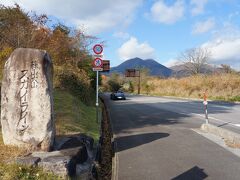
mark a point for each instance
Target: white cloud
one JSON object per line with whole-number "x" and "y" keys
{"x": 224, "y": 50}
{"x": 198, "y": 6}
{"x": 204, "y": 26}
{"x": 162, "y": 13}
{"x": 132, "y": 48}
{"x": 121, "y": 35}
{"x": 97, "y": 16}
{"x": 225, "y": 46}
{"x": 171, "y": 62}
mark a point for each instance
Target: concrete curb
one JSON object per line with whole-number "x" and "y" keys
{"x": 228, "y": 135}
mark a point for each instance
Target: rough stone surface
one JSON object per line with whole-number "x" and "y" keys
{"x": 79, "y": 154}
{"x": 84, "y": 168}
{"x": 28, "y": 161}
{"x": 74, "y": 141}
{"x": 27, "y": 102}
{"x": 62, "y": 162}
{"x": 62, "y": 165}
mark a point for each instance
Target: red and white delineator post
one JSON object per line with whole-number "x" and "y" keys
{"x": 205, "y": 103}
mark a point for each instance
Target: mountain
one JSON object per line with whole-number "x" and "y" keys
{"x": 182, "y": 70}
{"x": 155, "y": 69}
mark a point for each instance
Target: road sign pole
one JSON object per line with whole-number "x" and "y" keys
{"x": 97, "y": 66}
{"x": 139, "y": 83}
{"x": 97, "y": 104}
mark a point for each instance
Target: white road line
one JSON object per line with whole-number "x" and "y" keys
{"x": 212, "y": 118}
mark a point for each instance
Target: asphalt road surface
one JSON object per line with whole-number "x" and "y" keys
{"x": 154, "y": 139}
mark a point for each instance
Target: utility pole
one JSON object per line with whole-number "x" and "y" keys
{"x": 139, "y": 82}
{"x": 134, "y": 73}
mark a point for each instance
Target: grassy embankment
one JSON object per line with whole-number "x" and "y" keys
{"x": 72, "y": 116}
{"x": 224, "y": 87}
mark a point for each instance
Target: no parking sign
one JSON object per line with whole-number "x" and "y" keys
{"x": 97, "y": 64}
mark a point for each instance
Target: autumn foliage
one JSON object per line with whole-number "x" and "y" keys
{"x": 67, "y": 47}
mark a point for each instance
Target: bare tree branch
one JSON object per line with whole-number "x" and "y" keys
{"x": 194, "y": 59}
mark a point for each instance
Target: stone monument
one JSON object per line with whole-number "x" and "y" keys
{"x": 26, "y": 100}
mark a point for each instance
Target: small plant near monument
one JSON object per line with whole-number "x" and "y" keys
{"x": 15, "y": 171}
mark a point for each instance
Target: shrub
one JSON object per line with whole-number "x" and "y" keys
{"x": 114, "y": 85}
{"x": 76, "y": 86}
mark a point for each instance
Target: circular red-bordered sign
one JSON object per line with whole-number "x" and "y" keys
{"x": 97, "y": 49}
{"x": 98, "y": 63}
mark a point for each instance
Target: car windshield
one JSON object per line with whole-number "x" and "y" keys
{"x": 119, "y": 92}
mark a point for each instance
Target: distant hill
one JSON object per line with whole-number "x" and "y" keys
{"x": 155, "y": 69}
{"x": 182, "y": 71}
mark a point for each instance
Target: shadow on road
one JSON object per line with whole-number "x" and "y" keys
{"x": 128, "y": 142}
{"x": 194, "y": 173}
{"x": 127, "y": 115}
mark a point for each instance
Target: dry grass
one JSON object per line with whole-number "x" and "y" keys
{"x": 219, "y": 87}
{"x": 7, "y": 152}
{"x": 15, "y": 171}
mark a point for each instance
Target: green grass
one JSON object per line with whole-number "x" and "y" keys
{"x": 235, "y": 98}
{"x": 72, "y": 116}
{"x": 14, "y": 171}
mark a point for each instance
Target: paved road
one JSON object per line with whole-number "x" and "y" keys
{"x": 155, "y": 140}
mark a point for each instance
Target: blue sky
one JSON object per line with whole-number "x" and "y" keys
{"x": 158, "y": 29}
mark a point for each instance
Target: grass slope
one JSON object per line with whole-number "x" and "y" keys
{"x": 72, "y": 117}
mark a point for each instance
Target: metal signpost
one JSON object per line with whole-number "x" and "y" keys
{"x": 97, "y": 66}
{"x": 134, "y": 73}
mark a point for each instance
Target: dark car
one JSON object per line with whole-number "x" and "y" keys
{"x": 118, "y": 95}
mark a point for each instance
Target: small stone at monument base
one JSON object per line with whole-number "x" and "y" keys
{"x": 83, "y": 168}
{"x": 74, "y": 141}
{"x": 28, "y": 161}
{"x": 79, "y": 154}
{"x": 63, "y": 162}
{"x": 62, "y": 165}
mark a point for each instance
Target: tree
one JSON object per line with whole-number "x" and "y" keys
{"x": 115, "y": 82}
{"x": 67, "y": 46}
{"x": 114, "y": 86}
{"x": 227, "y": 69}
{"x": 194, "y": 59}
